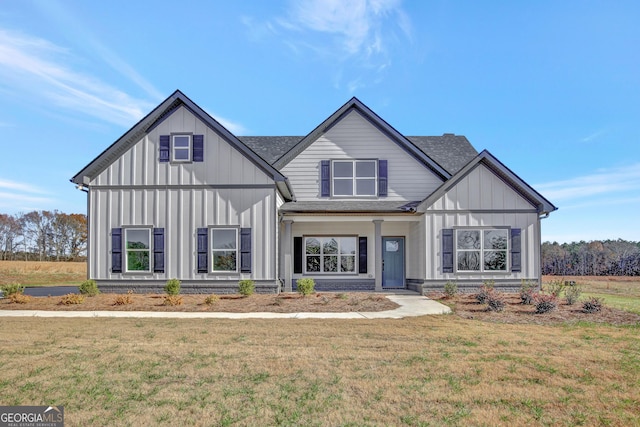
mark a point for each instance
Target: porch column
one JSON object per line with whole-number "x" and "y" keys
{"x": 286, "y": 250}
{"x": 378, "y": 253}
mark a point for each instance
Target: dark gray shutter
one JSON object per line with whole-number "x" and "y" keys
{"x": 382, "y": 178}
{"x": 116, "y": 250}
{"x": 297, "y": 255}
{"x": 447, "y": 250}
{"x": 362, "y": 255}
{"x": 245, "y": 250}
{"x": 198, "y": 148}
{"x": 325, "y": 178}
{"x": 158, "y": 250}
{"x": 516, "y": 248}
{"x": 203, "y": 249}
{"x": 165, "y": 147}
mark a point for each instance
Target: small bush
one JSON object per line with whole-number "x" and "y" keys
{"x": 341, "y": 296}
{"x": 527, "y": 289}
{"x": 572, "y": 294}
{"x": 450, "y": 289}
{"x": 124, "y": 299}
{"x": 545, "y": 303}
{"x": 495, "y": 300}
{"x": 19, "y": 298}
{"x": 246, "y": 287}
{"x": 483, "y": 293}
{"x": 71, "y": 299}
{"x": 592, "y": 305}
{"x": 172, "y": 300}
{"x": 211, "y": 299}
{"x": 555, "y": 287}
{"x": 89, "y": 288}
{"x": 12, "y": 289}
{"x": 306, "y": 286}
{"x": 172, "y": 287}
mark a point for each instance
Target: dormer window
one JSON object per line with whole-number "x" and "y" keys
{"x": 181, "y": 148}
{"x": 354, "y": 178}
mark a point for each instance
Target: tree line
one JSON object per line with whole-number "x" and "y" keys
{"x": 43, "y": 236}
{"x": 594, "y": 258}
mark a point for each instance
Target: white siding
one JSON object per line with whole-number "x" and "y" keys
{"x": 356, "y": 138}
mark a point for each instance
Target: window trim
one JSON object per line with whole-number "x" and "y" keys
{"x": 125, "y": 250}
{"x": 338, "y": 254}
{"x": 354, "y": 178}
{"x": 188, "y": 148}
{"x": 482, "y": 249}
{"x": 211, "y": 251}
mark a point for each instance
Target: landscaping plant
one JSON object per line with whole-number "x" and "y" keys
{"x": 306, "y": 286}
{"x": 572, "y": 294}
{"x": 450, "y": 289}
{"x": 89, "y": 288}
{"x": 592, "y": 305}
{"x": 172, "y": 287}
{"x": 12, "y": 289}
{"x": 545, "y": 303}
{"x": 555, "y": 287}
{"x": 495, "y": 300}
{"x": 71, "y": 299}
{"x": 211, "y": 299}
{"x": 246, "y": 287}
{"x": 527, "y": 288}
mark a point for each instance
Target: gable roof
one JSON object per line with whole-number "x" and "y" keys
{"x": 151, "y": 120}
{"x": 355, "y": 104}
{"x": 485, "y": 158}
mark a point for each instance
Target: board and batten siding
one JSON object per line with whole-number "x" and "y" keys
{"x": 223, "y": 164}
{"x": 354, "y": 137}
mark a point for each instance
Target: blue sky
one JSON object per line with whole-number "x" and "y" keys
{"x": 551, "y": 88}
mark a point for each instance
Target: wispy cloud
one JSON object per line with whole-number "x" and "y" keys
{"x": 20, "y": 196}
{"x": 602, "y": 182}
{"x": 19, "y": 186}
{"x": 232, "y": 126}
{"x": 34, "y": 67}
{"x": 593, "y": 136}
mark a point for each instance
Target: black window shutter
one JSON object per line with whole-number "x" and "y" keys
{"x": 245, "y": 250}
{"x": 116, "y": 250}
{"x": 382, "y": 178}
{"x": 198, "y": 148}
{"x": 203, "y": 250}
{"x": 158, "y": 250}
{"x": 516, "y": 248}
{"x": 164, "y": 148}
{"x": 297, "y": 255}
{"x": 325, "y": 178}
{"x": 362, "y": 255}
{"x": 447, "y": 250}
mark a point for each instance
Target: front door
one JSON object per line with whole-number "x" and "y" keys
{"x": 393, "y": 262}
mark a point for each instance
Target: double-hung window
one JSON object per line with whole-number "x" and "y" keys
{"x": 181, "y": 146}
{"x": 224, "y": 250}
{"x": 354, "y": 177}
{"x": 138, "y": 249}
{"x": 330, "y": 254}
{"x": 482, "y": 249}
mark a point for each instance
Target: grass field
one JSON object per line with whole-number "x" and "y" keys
{"x": 36, "y": 273}
{"x": 438, "y": 370}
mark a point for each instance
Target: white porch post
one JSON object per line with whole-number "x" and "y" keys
{"x": 286, "y": 249}
{"x": 378, "y": 253}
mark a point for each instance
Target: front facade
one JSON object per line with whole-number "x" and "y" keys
{"x": 354, "y": 205}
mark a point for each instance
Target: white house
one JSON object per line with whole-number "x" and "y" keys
{"x": 354, "y": 204}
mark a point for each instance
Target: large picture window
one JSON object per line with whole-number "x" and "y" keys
{"x": 354, "y": 177}
{"x": 330, "y": 254}
{"x": 224, "y": 249}
{"x": 138, "y": 249}
{"x": 482, "y": 249}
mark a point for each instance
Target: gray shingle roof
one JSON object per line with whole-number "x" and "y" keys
{"x": 450, "y": 151}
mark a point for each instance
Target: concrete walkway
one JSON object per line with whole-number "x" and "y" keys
{"x": 410, "y": 306}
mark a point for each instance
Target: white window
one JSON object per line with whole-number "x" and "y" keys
{"x": 181, "y": 146}
{"x": 330, "y": 254}
{"x": 355, "y": 177}
{"x": 224, "y": 249}
{"x": 482, "y": 249}
{"x": 138, "y": 249}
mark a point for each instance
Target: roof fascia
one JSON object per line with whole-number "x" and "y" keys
{"x": 542, "y": 205}
{"x": 369, "y": 115}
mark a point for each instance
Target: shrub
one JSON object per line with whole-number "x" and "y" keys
{"x": 526, "y": 291}
{"x": 450, "y": 289}
{"x": 124, "y": 299}
{"x": 12, "y": 289}
{"x": 306, "y": 286}
{"x": 555, "y": 287}
{"x": 172, "y": 287}
{"x": 89, "y": 288}
{"x": 592, "y": 305}
{"x": 572, "y": 294}
{"x": 246, "y": 287}
{"x": 545, "y": 303}
{"x": 341, "y": 296}
{"x": 71, "y": 299}
{"x": 172, "y": 300}
{"x": 19, "y": 298}
{"x": 483, "y": 293}
{"x": 211, "y": 299}
{"x": 495, "y": 300}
